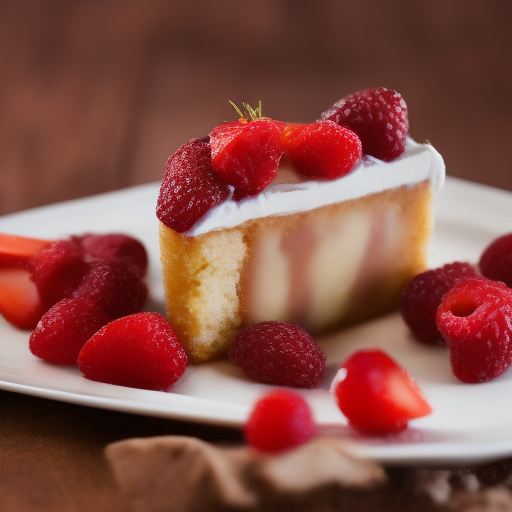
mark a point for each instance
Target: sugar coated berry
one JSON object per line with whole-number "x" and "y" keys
{"x": 279, "y": 421}
{"x": 139, "y": 351}
{"x": 496, "y": 260}
{"x": 376, "y": 394}
{"x": 475, "y": 318}
{"x": 63, "y": 330}
{"x": 58, "y": 270}
{"x": 423, "y": 294}
{"x": 278, "y": 353}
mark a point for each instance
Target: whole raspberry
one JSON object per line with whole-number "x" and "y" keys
{"x": 378, "y": 116}
{"x": 475, "y": 318}
{"x": 279, "y": 421}
{"x": 423, "y": 294}
{"x": 189, "y": 186}
{"x": 279, "y": 353}
{"x": 64, "y": 328}
{"x": 496, "y": 261}
{"x": 58, "y": 270}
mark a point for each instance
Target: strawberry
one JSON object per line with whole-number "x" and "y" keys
{"x": 279, "y": 421}
{"x": 246, "y": 152}
{"x": 376, "y": 394}
{"x": 63, "y": 330}
{"x": 475, "y": 318}
{"x": 378, "y": 116}
{"x": 138, "y": 351}
{"x": 19, "y": 250}
{"x": 20, "y": 303}
{"x": 189, "y": 186}
{"x": 321, "y": 150}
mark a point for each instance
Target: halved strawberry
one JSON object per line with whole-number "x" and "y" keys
{"x": 20, "y": 303}
{"x": 377, "y": 395}
{"x": 321, "y": 150}
{"x": 18, "y": 250}
{"x": 246, "y": 153}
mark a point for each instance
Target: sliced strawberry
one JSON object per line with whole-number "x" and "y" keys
{"x": 378, "y": 116}
{"x": 246, "y": 154}
{"x": 321, "y": 150}
{"x": 138, "y": 351}
{"x": 19, "y": 250}
{"x": 376, "y": 394}
{"x": 20, "y": 303}
{"x": 189, "y": 186}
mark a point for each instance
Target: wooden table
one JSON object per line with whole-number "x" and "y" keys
{"x": 94, "y": 96}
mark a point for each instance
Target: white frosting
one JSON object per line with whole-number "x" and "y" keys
{"x": 419, "y": 162}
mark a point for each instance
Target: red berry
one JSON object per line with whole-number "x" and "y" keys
{"x": 279, "y": 421}
{"x": 114, "y": 287}
{"x": 137, "y": 351}
{"x": 189, "y": 186}
{"x": 378, "y": 116}
{"x": 58, "y": 270}
{"x": 475, "y": 318}
{"x": 116, "y": 246}
{"x": 20, "y": 303}
{"x": 423, "y": 294}
{"x": 321, "y": 150}
{"x": 278, "y": 353}
{"x": 496, "y": 261}
{"x": 246, "y": 154}
{"x": 19, "y": 250}
{"x": 377, "y": 395}
{"x": 64, "y": 329}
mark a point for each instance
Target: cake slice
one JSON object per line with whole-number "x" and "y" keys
{"x": 322, "y": 253}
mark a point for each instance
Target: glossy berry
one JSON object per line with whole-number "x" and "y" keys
{"x": 18, "y": 250}
{"x": 58, "y": 270}
{"x": 138, "y": 351}
{"x": 189, "y": 186}
{"x": 496, "y": 261}
{"x": 279, "y": 421}
{"x": 20, "y": 302}
{"x": 378, "y": 116}
{"x": 114, "y": 287}
{"x": 376, "y": 394}
{"x": 475, "y": 318}
{"x": 246, "y": 154}
{"x": 64, "y": 329}
{"x": 423, "y": 294}
{"x": 278, "y": 353}
{"x": 116, "y": 246}
{"x": 322, "y": 150}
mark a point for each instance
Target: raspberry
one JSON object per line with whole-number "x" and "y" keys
{"x": 278, "y": 353}
{"x": 496, "y": 261}
{"x": 58, "y": 270}
{"x": 63, "y": 330}
{"x": 138, "y": 351}
{"x": 115, "y": 287}
{"x": 279, "y": 421}
{"x": 475, "y": 318}
{"x": 321, "y": 150}
{"x": 378, "y": 116}
{"x": 116, "y": 246}
{"x": 189, "y": 187}
{"x": 423, "y": 294}
{"x": 376, "y": 394}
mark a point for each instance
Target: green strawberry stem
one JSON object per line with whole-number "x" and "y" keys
{"x": 250, "y": 114}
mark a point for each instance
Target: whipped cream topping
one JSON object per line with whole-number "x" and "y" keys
{"x": 288, "y": 193}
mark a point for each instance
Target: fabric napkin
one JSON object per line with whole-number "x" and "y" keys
{"x": 185, "y": 474}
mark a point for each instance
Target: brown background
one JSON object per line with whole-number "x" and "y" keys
{"x": 95, "y": 95}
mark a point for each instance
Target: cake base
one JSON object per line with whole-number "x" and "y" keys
{"x": 322, "y": 269}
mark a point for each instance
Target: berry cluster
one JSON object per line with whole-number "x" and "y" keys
{"x": 469, "y": 309}
{"x": 241, "y": 158}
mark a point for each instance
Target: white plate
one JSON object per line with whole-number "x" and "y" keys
{"x": 469, "y": 423}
